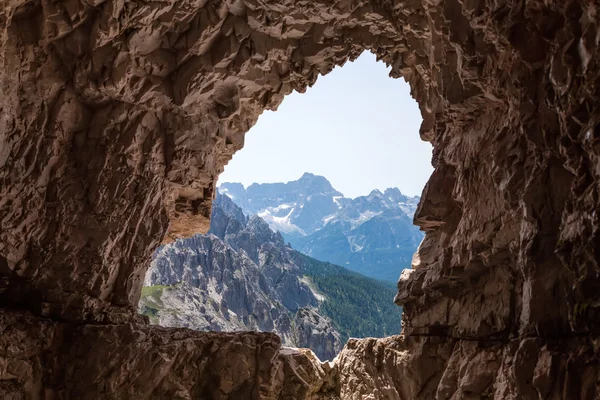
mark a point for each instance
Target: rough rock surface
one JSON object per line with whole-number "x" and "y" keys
{"x": 117, "y": 117}
{"x": 49, "y": 359}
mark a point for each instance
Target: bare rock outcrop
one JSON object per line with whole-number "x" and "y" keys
{"x": 41, "y": 358}
{"x": 240, "y": 277}
{"x": 117, "y": 117}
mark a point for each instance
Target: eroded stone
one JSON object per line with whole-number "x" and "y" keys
{"x": 117, "y": 118}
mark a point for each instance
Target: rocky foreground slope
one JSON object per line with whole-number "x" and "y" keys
{"x": 373, "y": 235}
{"x": 242, "y": 277}
{"x": 117, "y": 118}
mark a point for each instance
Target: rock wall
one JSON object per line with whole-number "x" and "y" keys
{"x": 117, "y": 117}
{"x": 40, "y": 358}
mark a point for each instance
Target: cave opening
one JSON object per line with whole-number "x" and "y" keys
{"x": 118, "y": 117}
{"x": 312, "y": 263}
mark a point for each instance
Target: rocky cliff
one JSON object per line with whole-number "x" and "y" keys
{"x": 372, "y": 234}
{"x": 117, "y": 118}
{"x": 242, "y": 277}
{"x": 242, "y": 280}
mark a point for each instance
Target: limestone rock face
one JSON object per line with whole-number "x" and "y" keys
{"x": 117, "y": 117}
{"x": 240, "y": 277}
{"x": 313, "y": 330}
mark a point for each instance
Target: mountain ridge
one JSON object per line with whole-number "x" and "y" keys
{"x": 371, "y": 234}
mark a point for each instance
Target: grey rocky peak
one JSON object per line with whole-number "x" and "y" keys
{"x": 239, "y": 277}
{"x": 311, "y": 327}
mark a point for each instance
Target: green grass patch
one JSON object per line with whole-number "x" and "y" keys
{"x": 154, "y": 291}
{"x": 151, "y": 302}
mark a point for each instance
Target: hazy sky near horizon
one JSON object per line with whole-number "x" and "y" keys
{"x": 356, "y": 126}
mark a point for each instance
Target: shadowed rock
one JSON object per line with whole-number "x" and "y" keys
{"x": 117, "y": 118}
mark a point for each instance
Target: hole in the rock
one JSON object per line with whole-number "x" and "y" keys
{"x": 312, "y": 225}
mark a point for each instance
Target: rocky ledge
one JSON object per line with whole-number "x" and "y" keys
{"x": 139, "y": 361}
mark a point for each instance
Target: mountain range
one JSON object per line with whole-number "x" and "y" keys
{"x": 372, "y": 234}
{"x": 243, "y": 276}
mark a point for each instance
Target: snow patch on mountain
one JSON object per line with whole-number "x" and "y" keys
{"x": 365, "y": 216}
{"x": 280, "y": 223}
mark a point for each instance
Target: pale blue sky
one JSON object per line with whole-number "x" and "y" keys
{"x": 356, "y": 126}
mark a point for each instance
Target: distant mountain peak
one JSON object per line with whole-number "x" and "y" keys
{"x": 315, "y": 184}
{"x": 237, "y": 185}
{"x": 310, "y": 177}
{"x": 307, "y": 175}
{"x": 392, "y": 191}
{"x": 372, "y": 234}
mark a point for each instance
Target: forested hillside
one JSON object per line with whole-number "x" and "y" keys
{"x": 358, "y": 306}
